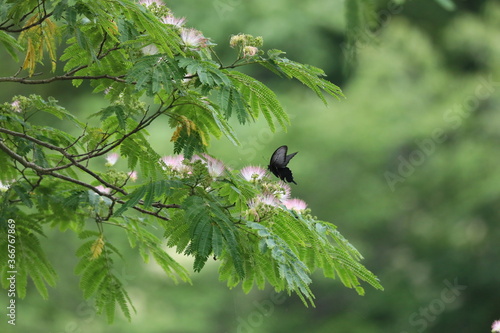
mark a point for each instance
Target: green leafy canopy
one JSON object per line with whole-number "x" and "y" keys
{"x": 192, "y": 203}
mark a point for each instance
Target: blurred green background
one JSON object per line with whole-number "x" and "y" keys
{"x": 407, "y": 166}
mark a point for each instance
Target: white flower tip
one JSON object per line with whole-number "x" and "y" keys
{"x": 295, "y": 204}
{"x": 252, "y": 172}
{"x": 250, "y": 51}
{"x": 103, "y": 189}
{"x": 172, "y": 20}
{"x": 112, "y": 159}
{"x": 193, "y": 38}
{"x": 132, "y": 175}
{"x": 16, "y": 106}
{"x": 495, "y": 327}
{"x": 174, "y": 163}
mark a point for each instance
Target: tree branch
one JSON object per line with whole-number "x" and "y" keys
{"x": 145, "y": 122}
{"x": 40, "y": 21}
{"x": 25, "y": 80}
{"x": 66, "y": 155}
{"x": 47, "y": 171}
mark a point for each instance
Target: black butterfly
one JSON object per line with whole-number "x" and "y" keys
{"x": 278, "y": 164}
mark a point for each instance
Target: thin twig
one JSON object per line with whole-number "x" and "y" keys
{"x": 25, "y": 80}
{"x": 44, "y": 171}
{"x": 40, "y": 21}
{"x": 65, "y": 154}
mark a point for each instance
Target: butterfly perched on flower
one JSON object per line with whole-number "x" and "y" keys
{"x": 278, "y": 164}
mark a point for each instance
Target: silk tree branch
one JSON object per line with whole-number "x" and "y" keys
{"x": 75, "y": 160}
{"x": 47, "y": 171}
{"x": 25, "y": 80}
{"x": 143, "y": 123}
{"x": 69, "y": 75}
{"x": 63, "y": 153}
{"x": 40, "y": 21}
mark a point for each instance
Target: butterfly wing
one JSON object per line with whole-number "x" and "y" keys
{"x": 277, "y": 164}
{"x": 289, "y": 157}
{"x": 278, "y": 159}
{"x": 286, "y": 175}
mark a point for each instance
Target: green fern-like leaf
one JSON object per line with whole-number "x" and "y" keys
{"x": 207, "y": 71}
{"x": 310, "y": 76}
{"x": 204, "y": 115}
{"x": 178, "y": 235}
{"x": 260, "y": 99}
{"x": 138, "y": 150}
{"x": 163, "y": 36}
{"x": 169, "y": 265}
{"x": 133, "y": 199}
{"x": 10, "y": 44}
{"x": 231, "y": 101}
{"x": 148, "y": 244}
{"x": 291, "y": 269}
{"x": 229, "y": 234}
{"x": 153, "y": 73}
{"x": 203, "y": 217}
{"x": 200, "y": 230}
{"x": 7, "y": 170}
{"x": 97, "y": 279}
{"x": 30, "y": 260}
